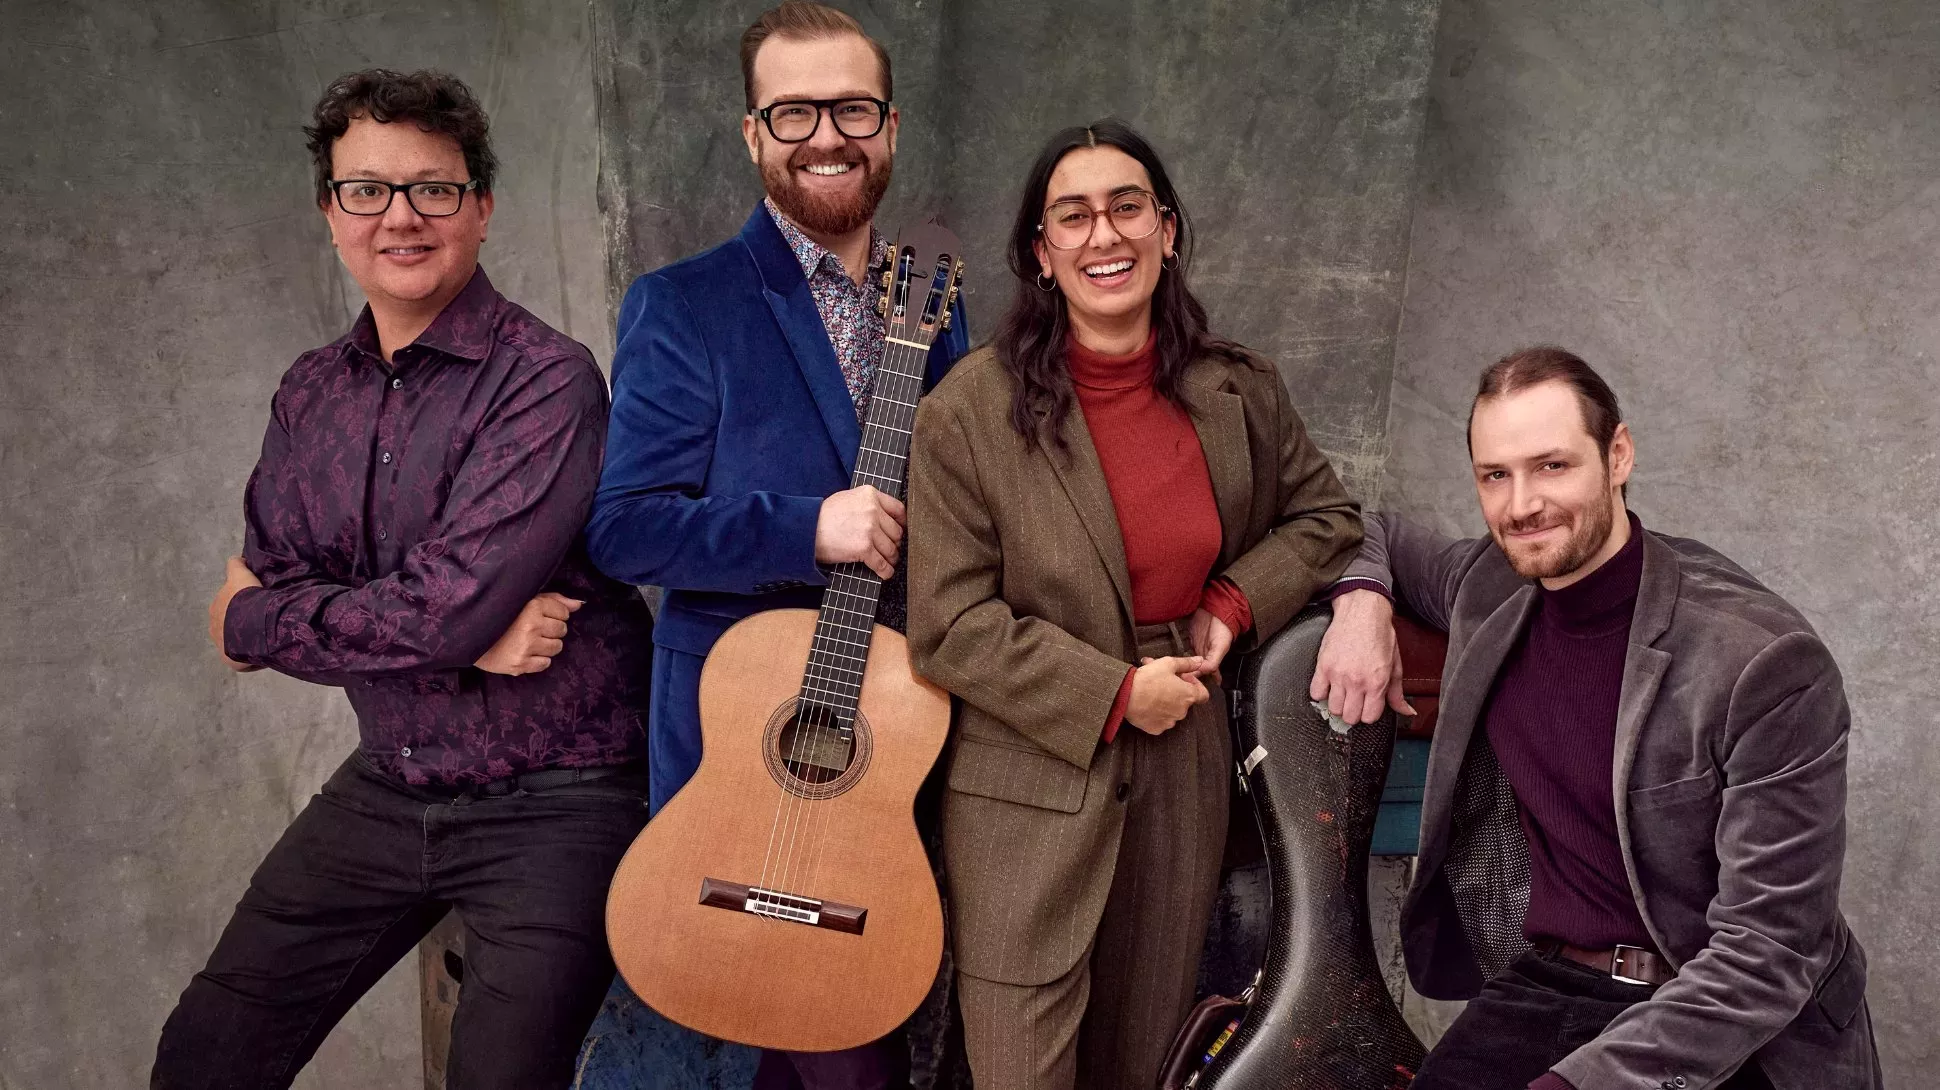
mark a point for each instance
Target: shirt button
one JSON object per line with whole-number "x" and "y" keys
{"x": 385, "y": 457}
{"x": 405, "y": 752}
{"x": 1124, "y": 789}
{"x": 397, "y": 384}
{"x": 383, "y": 535}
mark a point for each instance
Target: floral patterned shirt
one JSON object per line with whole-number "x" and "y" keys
{"x": 401, "y": 516}
{"x": 848, "y": 309}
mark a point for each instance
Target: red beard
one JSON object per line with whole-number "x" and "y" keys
{"x": 826, "y": 214}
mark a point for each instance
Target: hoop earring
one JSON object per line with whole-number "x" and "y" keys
{"x": 1041, "y": 285}
{"x": 1174, "y": 262}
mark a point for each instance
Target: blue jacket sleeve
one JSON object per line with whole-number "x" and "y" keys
{"x": 654, "y": 521}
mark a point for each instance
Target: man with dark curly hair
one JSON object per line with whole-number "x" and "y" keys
{"x": 413, "y": 536}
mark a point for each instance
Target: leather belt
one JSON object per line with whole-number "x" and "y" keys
{"x": 543, "y": 780}
{"x": 1630, "y": 964}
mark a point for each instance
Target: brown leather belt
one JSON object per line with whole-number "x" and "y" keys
{"x": 1630, "y": 964}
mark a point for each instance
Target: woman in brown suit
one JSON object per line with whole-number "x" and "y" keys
{"x": 1102, "y": 501}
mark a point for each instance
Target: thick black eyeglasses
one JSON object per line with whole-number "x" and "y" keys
{"x": 795, "y": 121}
{"x": 370, "y": 197}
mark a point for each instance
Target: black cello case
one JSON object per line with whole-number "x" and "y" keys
{"x": 1319, "y": 1016}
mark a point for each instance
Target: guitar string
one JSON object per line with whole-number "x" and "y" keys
{"x": 888, "y": 460}
{"x": 881, "y": 461}
{"x": 808, "y": 845}
{"x": 797, "y": 813}
{"x": 800, "y": 835}
{"x": 805, "y": 834}
{"x": 791, "y": 804}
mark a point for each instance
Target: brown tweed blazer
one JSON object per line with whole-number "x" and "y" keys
{"x": 1021, "y": 605}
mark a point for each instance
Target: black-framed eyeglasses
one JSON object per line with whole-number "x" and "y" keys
{"x": 370, "y": 197}
{"x": 796, "y": 120}
{"x": 1135, "y": 214}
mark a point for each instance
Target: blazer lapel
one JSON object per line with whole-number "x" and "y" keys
{"x": 1219, "y": 416}
{"x": 1643, "y": 673}
{"x": 786, "y": 291}
{"x": 1083, "y": 478}
{"x": 1465, "y": 692}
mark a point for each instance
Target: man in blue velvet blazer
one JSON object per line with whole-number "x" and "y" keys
{"x": 742, "y": 373}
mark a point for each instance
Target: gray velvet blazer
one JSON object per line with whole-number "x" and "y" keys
{"x": 1730, "y": 793}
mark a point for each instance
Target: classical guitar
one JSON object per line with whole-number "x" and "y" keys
{"x": 783, "y": 898}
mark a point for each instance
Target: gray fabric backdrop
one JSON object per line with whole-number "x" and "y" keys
{"x": 1731, "y": 208}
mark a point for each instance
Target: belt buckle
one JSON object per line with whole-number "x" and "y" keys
{"x": 1617, "y": 962}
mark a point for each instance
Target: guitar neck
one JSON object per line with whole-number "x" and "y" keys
{"x": 883, "y": 459}
{"x": 840, "y": 651}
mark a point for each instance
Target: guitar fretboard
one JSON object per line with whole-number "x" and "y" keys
{"x": 840, "y": 651}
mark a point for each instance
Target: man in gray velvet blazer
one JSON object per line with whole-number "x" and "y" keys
{"x": 1634, "y": 821}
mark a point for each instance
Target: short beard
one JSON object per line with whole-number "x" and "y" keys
{"x": 825, "y": 215}
{"x": 1589, "y": 538}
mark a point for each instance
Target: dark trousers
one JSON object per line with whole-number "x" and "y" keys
{"x": 882, "y": 1065}
{"x": 1540, "y": 1009}
{"x": 361, "y": 875}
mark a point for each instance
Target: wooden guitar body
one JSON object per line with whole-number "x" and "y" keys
{"x": 849, "y": 943}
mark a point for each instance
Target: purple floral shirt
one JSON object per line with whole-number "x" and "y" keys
{"x": 401, "y": 516}
{"x": 848, "y": 309}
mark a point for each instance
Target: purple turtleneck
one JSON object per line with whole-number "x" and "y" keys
{"x": 1552, "y": 721}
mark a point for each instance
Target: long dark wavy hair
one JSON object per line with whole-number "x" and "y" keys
{"x": 1031, "y": 338}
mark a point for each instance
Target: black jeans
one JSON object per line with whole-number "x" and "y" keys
{"x": 361, "y": 875}
{"x": 1540, "y": 1009}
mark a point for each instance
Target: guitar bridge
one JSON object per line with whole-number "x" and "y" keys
{"x": 777, "y": 905}
{"x": 783, "y": 906}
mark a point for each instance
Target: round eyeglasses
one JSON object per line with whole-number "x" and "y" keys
{"x": 1134, "y": 213}
{"x": 370, "y": 197}
{"x": 796, "y": 120}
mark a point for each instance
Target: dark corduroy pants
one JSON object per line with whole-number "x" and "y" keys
{"x": 1537, "y": 1011}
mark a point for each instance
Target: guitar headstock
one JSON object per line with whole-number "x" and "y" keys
{"x": 920, "y": 286}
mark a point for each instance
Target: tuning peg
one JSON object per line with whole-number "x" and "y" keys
{"x": 950, "y": 301}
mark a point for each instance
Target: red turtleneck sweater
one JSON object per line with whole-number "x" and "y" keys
{"x": 1161, "y": 493}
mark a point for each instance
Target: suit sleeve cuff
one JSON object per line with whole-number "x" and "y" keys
{"x": 1360, "y": 582}
{"x": 799, "y": 516}
{"x": 1550, "y": 1080}
{"x": 1119, "y": 706}
{"x": 1223, "y": 599}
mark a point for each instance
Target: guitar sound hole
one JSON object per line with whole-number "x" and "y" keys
{"x": 814, "y": 748}
{"x": 809, "y": 753}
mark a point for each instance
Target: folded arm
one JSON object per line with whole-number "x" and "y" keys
{"x": 513, "y": 510}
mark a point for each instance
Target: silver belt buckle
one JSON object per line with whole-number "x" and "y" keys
{"x": 1617, "y": 963}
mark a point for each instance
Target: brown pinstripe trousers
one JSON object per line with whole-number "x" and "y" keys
{"x": 1106, "y": 1023}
